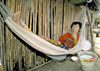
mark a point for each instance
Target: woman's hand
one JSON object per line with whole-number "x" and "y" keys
{"x": 50, "y": 40}
{"x": 46, "y": 38}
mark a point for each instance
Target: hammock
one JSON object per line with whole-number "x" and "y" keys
{"x": 37, "y": 42}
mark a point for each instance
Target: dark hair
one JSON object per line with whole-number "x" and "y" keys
{"x": 74, "y": 23}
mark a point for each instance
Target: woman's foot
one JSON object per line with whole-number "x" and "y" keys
{"x": 16, "y": 18}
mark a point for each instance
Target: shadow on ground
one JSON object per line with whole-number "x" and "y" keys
{"x": 67, "y": 65}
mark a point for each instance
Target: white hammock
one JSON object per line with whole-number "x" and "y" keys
{"x": 37, "y": 42}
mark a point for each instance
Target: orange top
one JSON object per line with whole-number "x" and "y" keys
{"x": 68, "y": 35}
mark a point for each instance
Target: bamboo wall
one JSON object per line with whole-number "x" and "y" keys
{"x": 16, "y": 55}
{"x": 51, "y": 18}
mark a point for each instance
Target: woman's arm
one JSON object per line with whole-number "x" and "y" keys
{"x": 75, "y": 41}
{"x": 50, "y": 40}
{"x": 74, "y": 35}
{"x": 62, "y": 38}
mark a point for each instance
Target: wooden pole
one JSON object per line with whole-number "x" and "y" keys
{"x": 27, "y": 19}
{"x": 26, "y": 56}
{"x": 35, "y": 9}
{"x": 19, "y": 56}
{"x": 31, "y": 12}
{"x": 39, "y": 66}
{"x": 52, "y": 21}
{"x": 23, "y": 12}
{"x": 66, "y": 17}
{"x": 46, "y": 14}
{"x": 55, "y": 23}
{"x": 10, "y": 49}
{"x": 11, "y": 53}
{"x": 4, "y": 45}
{"x": 34, "y": 12}
{"x": 40, "y": 18}
{"x": 35, "y": 18}
{"x": 7, "y": 46}
{"x": 0, "y": 39}
{"x": 14, "y": 50}
{"x": 69, "y": 17}
{"x": 44, "y": 17}
{"x": 8, "y": 62}
{"x": 48, "y": 17}
{"x": 60, "y": 16}
{"x": 87, "y": 11}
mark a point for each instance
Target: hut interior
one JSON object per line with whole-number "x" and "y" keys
{"x": 50, "y": 18}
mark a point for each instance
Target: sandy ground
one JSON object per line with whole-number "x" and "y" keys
{"x": 67, "y": 65}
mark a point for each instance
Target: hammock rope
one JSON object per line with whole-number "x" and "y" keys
{"x": 37, "y": 42}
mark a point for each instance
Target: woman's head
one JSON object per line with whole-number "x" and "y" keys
{"x": 76, "y": 26}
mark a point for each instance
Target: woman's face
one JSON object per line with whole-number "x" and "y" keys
{"x": 75, "y": 29}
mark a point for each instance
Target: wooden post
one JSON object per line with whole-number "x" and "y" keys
{"x": 35, "y": 17}
{"x": 31, "y": 14}
{"x": 10, "y": 47}
{"x": 46, "y": 14}
{"x": 52, "y": 21}
{"x": 29, "y": 52}
{"x": 19, "y": 56}
{"x": 4, "y": 42}
{"x": 26, "y": 56}
{"x": 8, "y": 54}
{"x": 1, "y": 40}
{"x": 27, "y": 19}
{"x": 66, "y": 18}
{"x": 14, "y": 50}
{"x": 87, "y": 11}
{"x": 60, "y": 16}
{"x": 34, "y": 58}
{"x": 7, "y": 46}
{"x": 23, "y": 11}
{"x": 48, "y": 17}
{"x": 69, "y": 11}
{"x": 55, "y": 23}
{"x": 11, "y": 52}
{"x": 35, "y": 9}
{"x": 40, "y": 18}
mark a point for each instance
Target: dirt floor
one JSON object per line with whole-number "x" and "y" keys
{"x": 67, "y": 65}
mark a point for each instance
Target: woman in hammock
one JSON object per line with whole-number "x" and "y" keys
{"x": 68, "y": 40}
